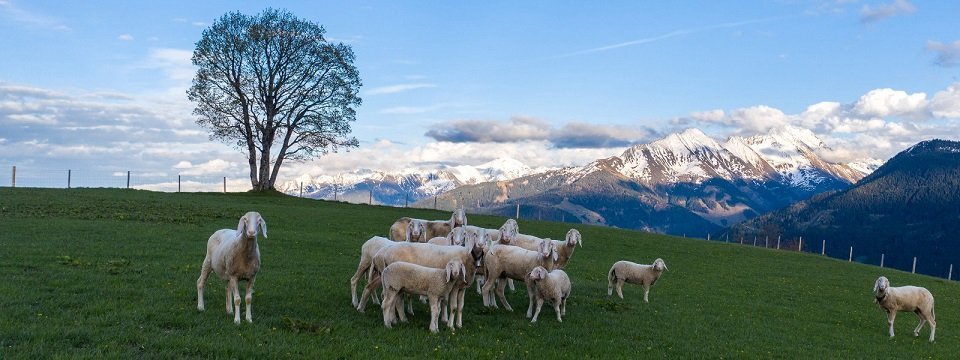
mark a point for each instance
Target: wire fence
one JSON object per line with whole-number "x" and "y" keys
{"x": 124, "y": 179}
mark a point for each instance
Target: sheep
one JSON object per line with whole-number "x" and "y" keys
{"x": 367, "y": 250}
{"x": 432, "y": 228}
{"x": 429, "y": 255}
{"x": 234, "y": 255}
{"x": 565, "y": 248}
{"x": 409, "y": 278}
{"x": 500, "y": 236}
{"x": 415, "y": 232}
{"x": 455, "y": 237}
{"x": 553, "y": 285}
{"x": 906, "y": 298}
{"x": 633, "y": 273}
{"x": 505, "y": 261}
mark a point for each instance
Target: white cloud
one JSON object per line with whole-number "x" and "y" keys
{"x": 39, "y": 119}
{"x": 708, "y": 116}
{"x": 125, "y": 37}
{"x": 394, "y": 89}
{"x": 17, "y": 14}
{"x": 175, "y": 63}
{"x": 889, "y": 102}
{"x": 948, "y": 55}
{"x": 212, "y": 167}
{"x": 946, "y": 103}
{"x": 875, "y": 13}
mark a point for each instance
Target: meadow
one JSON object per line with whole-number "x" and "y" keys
{"x": 91, "y": 273}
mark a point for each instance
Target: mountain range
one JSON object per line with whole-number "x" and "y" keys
{"x": 909, "y": 207}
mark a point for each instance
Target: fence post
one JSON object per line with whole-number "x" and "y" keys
{"x": 434, "y": 202}
{"x": 766, "y": 243}
{"x": 224, "y": 184}
{"x": 406, "y": 199}
{"x": 370, "y": 201}
{"x": 914, "y": 270}
{"x": 741, "y": 239}
{"x": 128, "y": 179}
{"x": 754, "y": 240}
{"x": 301, "y": 189}
{"x": 950, "y": 274}
{"x": 850, "y": 258}
{"x": 518, "y": 211}
{"x": 14, "y": 181}
{"x": 708, "y": 236}
{"x": 178, "y": 183}
{"x": 800, "y": 247}
{"x": 69, "y": 175}
{"x": 823, "y": 247}
{"x": 778, "y": 242}
{"x": 882, "y": 256}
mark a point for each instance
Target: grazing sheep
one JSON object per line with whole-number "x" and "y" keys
{"x": 432, "y": 229}
{"x": 415, "y": 232}
{"x": 906, "y": 298}
{"x": 633, "y": 273}
{"x": 505, "y": 261}
{"x": 369, "y": 248}
{"x": 553, "y": 285}
{"x": 408, "y": 278}
{"x": 234, "y": 256}
{"x": 455, "y": 237}
{"x": 565, "y": 248}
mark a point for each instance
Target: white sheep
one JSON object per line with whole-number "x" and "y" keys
{"x": 553, "y": 285}
{"x": 431, "y": 229}
{"x": 455, "y": 238}
{"x": 505, "y": 261}
{"x": 234, "y": 255}
{"x": 435, "y": 284}
{"x": 906, "y": 298}
{"x": 367, "y": 250}
{"x": 633, "y": 273}
{"x": 565, "y": 248}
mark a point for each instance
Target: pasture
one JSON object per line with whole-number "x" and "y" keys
{"x": 90, "y": 273}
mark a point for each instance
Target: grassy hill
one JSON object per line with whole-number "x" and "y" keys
{"x": 102, "y": 272}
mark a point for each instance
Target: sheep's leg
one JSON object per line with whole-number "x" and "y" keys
{"x": 620, "y": 288}
{"x": 916, "y": 331}
{"x": 229, "y": 293}
{"x": 488, "y": 284}
{"x": 479, "y": 283}
{"x": 460, "y": 295}
{"x": 563, "y": 306}
{"x": 434, "y": 313}
{"x": 510, "y": 283}
{"x": 388, "y": 314}
{"x": 362, "y": 268}
{"x": 530, "y": 296}
{"x": 556, "y": 308}
{"x": 397, "y": 302}
{"x": 933, "y": 325}
{"x": 235, "y": 286}
{"x": 500, "y": 287}
{"x": 646, "y": 292}
{"x": 891, "y": 315}
{"x": 371, "y": 287}
{"x": 249, "y": 298}
{"x": 537, "y": 312}
{"x": 202, "y": 281}
{"x": 409, "y": 302}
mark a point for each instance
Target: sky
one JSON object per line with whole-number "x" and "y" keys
{"x": 99, "y": 87}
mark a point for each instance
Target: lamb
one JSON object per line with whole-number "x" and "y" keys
{"x": 435, "y": 284}
{"x": 367, "y": 250}
{"x": 565, "y": 248}
{"x": 553, "y": 285}
{"x": 906, "y": 298}
{"x": 625, "y": 271}
{"x": 432, "y": 228}
{"x": 505, "y": 261}
{"x": 234, "y": 255}
{"x": 455, "y": 237}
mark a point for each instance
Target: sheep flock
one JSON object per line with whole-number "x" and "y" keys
{"x": 436, "y": 261}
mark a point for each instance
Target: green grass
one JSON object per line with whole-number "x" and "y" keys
{"x": 112, "y": 273}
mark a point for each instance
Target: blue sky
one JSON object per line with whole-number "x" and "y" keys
{"x": 100, "y": 85}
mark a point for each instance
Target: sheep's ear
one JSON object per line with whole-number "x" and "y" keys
{"x": 263, "y": 226}
{"x": 555, "y": 255}
{"x": 242, "y": 225}
{"x": 449, "y": 271}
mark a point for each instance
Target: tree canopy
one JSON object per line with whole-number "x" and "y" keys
{"x": 273, "y": 80}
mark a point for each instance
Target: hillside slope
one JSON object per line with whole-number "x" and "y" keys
{"x": 94, "y": 273}
{"x": 908, "y": 207}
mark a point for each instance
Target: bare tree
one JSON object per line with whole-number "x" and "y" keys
{"x": 273, "y": 80}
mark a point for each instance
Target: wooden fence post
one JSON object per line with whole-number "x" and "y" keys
{"x": 301, "y": 189}
{"x": 370, "y": 201}
{"x": 708, "y": 236}
{"x": 823, "y": 247}
{"x": 778, "y": 242}
{"x": 128, "y": 179}
{"x": 518, "y": 211}
{"x": 850, "y": 258}
{"x": 178, "y": 183}
{"x": 14, "y": 181}
{"x": 800, "y": 247}
{"x": 914, "y": 269}
{"x": 882, "y": 256}
{"x": 950, "y": 274}
{"x": 754, "y": 240}
{"x": 69, "y": 175}
{"x": 224, "y": 184}
{"x": 766, "y": 242}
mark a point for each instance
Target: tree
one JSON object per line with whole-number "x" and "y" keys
{"x": 273, "y": 80}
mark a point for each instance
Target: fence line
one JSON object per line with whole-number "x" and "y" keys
{"x": 125, "y": 179}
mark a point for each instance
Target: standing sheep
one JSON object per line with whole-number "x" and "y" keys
{"x": 455, "y": 237}
{"x": 633, "y": 273}
{"x": 234, "y": 255}
{"x": 906, "y": 298}
{"x": 505, "y": 261}
{"x": 565, "y": 248}
{"x": 432, "y": 229}
{"x": 553, "y": 285}
{"x": 435, "y": 284}
{"x": 367, "y": 250}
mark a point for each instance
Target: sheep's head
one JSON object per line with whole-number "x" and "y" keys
{"x": 414, "y": 231}
{"x": 250, "y": 223}
{"x": 659, "y": 265}
{"x": 573, "y": 238}
{"x": 547, "y": 251}
{"x": 478, "y": 250}
{"x": 538, "y": 273}
{"x": 456, "y": 269}
{"x": 459, "y": 217}
{"x": 880, "y": 287}
{"x": 489, "y": 235}
{"x": 456, "y": 236}
{"x": 508, "y": 231}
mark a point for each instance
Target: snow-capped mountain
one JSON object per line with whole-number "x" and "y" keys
{"x": 399, "y": 188}
{"x": 686, "y": 175}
